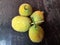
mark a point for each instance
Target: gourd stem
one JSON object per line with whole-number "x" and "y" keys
{"x": 34, "y": 22}
{"x": 25, "y": 7}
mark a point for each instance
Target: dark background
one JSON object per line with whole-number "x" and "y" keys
{"x": 9, "y": 9}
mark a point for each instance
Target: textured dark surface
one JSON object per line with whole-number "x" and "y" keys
{"x": 9, "y": 9}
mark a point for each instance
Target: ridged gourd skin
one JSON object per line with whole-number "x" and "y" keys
{"x": 20, "y": 23}
{"x": 38, "y": 17}
{"x": 36, "y": 34}
{"x": 25, "y": 9}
